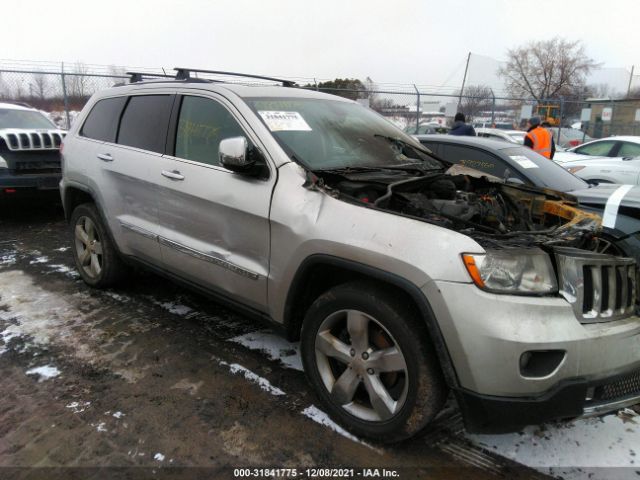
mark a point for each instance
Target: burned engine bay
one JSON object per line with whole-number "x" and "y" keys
{"x": 495, "y": 214}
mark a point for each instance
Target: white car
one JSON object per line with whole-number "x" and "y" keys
{"x": 512, "y": 136}
{"x": 605, "y": 170}
{"x": 612, "y": 147}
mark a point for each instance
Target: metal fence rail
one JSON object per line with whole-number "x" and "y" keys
{"x": 62, "y": 94}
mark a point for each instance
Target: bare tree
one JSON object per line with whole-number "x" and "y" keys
{"x": 476, "y": 99}
{"x": 601, "y": 90}
{"x": 547, "y": 69}
{"x": 41, "y": 85}
{"x": 78, "y": 82}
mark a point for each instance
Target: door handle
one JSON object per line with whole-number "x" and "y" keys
{"x": 105, "y": 157}
{"x": 173, "y": 175}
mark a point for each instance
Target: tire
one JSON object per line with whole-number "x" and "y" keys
{"x": 96, "y": 258}
{"x": 388, "y": 398}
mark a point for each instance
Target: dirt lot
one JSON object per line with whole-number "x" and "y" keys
{"x": 152, "y": 380}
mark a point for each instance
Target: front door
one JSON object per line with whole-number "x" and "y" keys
{"x": 215, "y": 223}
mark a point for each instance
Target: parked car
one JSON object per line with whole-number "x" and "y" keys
{"x": 511, "y": 136}
{"x": 426, "y": 128}
{"x": 569, "y": 137}
{"x": 29, "y": 151}
{"x": 599, "y": 170}
{"x": 624, "y": 147}
{"x": 401, "y": 281}
{"x": 524, "y": 166}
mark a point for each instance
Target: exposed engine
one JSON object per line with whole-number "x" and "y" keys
{"x": 493, "y": 213}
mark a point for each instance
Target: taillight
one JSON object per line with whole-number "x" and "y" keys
{"x": 574, "y": 143}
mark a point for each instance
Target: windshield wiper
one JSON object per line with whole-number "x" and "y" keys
{"x": 418, "y": 147}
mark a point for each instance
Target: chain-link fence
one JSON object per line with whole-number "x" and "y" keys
{"x": 62, "y": 92}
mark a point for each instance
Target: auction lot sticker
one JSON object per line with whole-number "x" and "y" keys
{"x": 284, "y": 121}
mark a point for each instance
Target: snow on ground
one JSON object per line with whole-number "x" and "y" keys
{"x": 563, "y": 447}
{"x": 318, "y": 416}
{"x": 60, "y": 268}
{"x": 159, "y": 457}
{"x": 44, "y": 372}
{"x": 40, "y": 259}
{"x": 172, "y": 307}
{"x": 8, "y": 259}
{"x": 274, "y": 346}
{"x": 262, "y": 382}
{"x": 78, "y": 407}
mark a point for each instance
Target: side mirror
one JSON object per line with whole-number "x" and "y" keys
{"x": 234, "y": 155}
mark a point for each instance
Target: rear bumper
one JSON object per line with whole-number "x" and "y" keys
{"x": 572, "y": 398}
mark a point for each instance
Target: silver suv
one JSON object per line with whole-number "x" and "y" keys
{"x": 403, "y": 277}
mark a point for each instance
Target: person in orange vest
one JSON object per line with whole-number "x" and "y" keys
{"x": 539, "y": 139}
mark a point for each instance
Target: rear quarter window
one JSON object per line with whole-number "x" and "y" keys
{"x": 102, "y": 121}
{"x": 145, "y": 121}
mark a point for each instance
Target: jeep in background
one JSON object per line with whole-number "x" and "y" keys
{"x": 29, "y": 151}
{"x": 403, "y": 277}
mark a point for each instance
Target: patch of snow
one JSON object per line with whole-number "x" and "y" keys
{"x": 318, "y": 416}
{"x": 101, "y": 427}
{"x": 274, "y": 346}
{"x": 6, "y": 337}
{"x": 172, "y": 307}
{"x": 8, "y": 259}
{"x": 60, "y": 268}
{"x": 44, "y": 372}
{"x": 159, "y": 457}
{"x": 565, "y": 447}
{"x": 78, "y": 407}
{"x": 117, "y": 296}
{"x": 263, "y": 383}
{"x": 118, "y": 414}
{"x": 42, "y": 259}
{"x": 61, "y": 249}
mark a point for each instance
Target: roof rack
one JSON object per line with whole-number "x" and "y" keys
{"x": 139, "y": 76}
{"x": 184, "y": 74}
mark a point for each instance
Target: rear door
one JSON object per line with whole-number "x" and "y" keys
{"x": 129, "y": 173}
{"x": 215, "y": 222}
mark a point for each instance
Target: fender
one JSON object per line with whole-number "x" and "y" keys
{"x": 292, "y": 322}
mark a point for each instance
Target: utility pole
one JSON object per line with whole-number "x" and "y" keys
{"x": 630, "y": 80}
{"x": 464, "y": 80}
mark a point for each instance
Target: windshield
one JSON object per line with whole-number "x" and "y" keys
{"x": 331, "y": 134}
{"x": 12, "y": 118}
{"x": 544, "y": 172}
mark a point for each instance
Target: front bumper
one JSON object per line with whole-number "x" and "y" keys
{"x": 488, "y": 334}
{"x": 35, "y": 181}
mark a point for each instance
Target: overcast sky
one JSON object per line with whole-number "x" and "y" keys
{"x": 403, "y": 41}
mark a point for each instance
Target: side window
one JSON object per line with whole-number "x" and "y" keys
{"x": 434, "y": 147}
{"x": 102, "y": 121}
{"x": 628, "y": 149}
{"x": 476, "y": 159}
{"x": 202, "y": 124}
{"x": 599, "y": 149}
{"x": 145, "y": 121}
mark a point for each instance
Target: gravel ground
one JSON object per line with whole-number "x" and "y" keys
{"x": 152, "y": 380}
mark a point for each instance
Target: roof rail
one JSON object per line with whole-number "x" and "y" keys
{"x": 184, "y": 74}
{"x": 139, "y": 76}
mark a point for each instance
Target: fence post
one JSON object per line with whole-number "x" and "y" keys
{"x": 417, "y": 108}
{"x": 561, "y": 114}
{"x": 66, "y": 99}
{"x": 493, "y": 107}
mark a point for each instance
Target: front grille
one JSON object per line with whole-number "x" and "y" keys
{"x": 627, "y": 386}
{"x": 34, "y": 140}
{"x": 599, "y": 287}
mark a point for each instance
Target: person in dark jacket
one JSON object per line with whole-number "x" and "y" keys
{"x": 460, "y": 127}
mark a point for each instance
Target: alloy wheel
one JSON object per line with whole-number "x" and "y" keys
{"x": 88, "y": 247}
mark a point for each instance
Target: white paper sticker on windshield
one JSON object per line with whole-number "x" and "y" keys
{"x": 284, "y": 121}
{"x": 523, "y": 161}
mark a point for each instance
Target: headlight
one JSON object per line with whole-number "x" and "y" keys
{"x": 516, "y": 271}
{"x": 3, "y": 163}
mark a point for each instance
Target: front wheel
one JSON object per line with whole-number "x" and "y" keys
{"x": 371, "y": 362}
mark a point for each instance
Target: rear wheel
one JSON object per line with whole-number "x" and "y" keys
{"x": 371, "y": 362}
{"x": 95, "y": 256}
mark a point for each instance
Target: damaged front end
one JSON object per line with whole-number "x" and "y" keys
{"x": 495, "y": 214}
{"x": 537, "y": 241}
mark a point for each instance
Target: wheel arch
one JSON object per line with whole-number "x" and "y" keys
{"x": 320, "y": 272}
